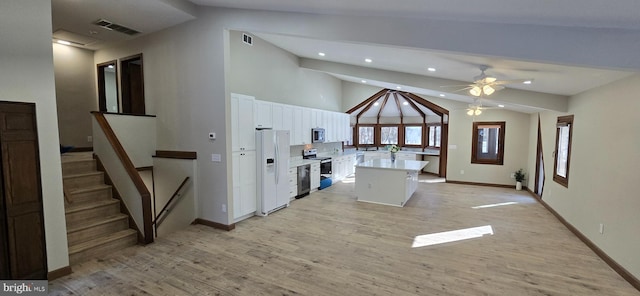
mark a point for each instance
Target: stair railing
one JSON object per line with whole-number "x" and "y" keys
{"x": 167, "y": 209}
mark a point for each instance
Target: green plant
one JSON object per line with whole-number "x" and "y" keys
{"x": 393, "y": 148}
{"x": 519, "y": 175}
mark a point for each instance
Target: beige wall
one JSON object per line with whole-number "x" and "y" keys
{"x": 27, "y": 76}
{"x": 604, "y": 158}
{"x": 75, "y": 76}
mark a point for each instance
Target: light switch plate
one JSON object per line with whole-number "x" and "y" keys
{"x": 216, "y": 157}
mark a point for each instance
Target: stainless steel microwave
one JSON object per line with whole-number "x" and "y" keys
{"x": 317, "y": 135}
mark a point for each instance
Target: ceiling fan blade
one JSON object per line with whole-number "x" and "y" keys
{"x": 511, "y": 81}
{"x": 459, "y": 85}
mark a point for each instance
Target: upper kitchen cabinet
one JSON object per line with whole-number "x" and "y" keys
{"x": 277, "y": 113}
{"x": 263, "y": 114}
{"x": 297, "y": 127}
{"x": 287, "y": 122}
{"x": 242, "y": 122}
{"x": 306, "y": 126}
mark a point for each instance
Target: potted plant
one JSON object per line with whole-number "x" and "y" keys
{"x": 519, "y": 175}
{"x": 393, "y": 149}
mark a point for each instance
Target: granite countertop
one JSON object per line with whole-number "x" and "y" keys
{"x": 387, "y": 164}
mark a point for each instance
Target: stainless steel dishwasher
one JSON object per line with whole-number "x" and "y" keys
{"x": 304, "y": 180}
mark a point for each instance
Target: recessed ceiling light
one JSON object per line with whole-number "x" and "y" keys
{"x": 430, "y": 69}
{"x": 405, "y": 103}
{"x": 110, "y": 66}
{"x": 398, "y": 87}
{"x": 442, "y": 95}
{"x": 321, "y": 54}
{"x": 527, "y": 82}
{"x": 501, "y": 106}
{"x": 64, "y": 42}
{"x": 364, "y": 81}
{"x": 376, "y": 104}
{"x": 368, "y": 60}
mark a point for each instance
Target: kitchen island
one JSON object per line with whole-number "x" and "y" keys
{"x": 385, "y": 182}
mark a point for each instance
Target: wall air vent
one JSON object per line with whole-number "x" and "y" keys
{"x": 248, "y": 39}
{"x": 115, "y": 27}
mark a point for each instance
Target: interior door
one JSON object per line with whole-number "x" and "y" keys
{"x": 132, "y": 83}
{"x": 24, "y": 246}
{"x": 539, "y": 185}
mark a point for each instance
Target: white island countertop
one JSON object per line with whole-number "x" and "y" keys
{"x": 401, "y": 165}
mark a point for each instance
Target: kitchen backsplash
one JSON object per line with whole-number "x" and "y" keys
{"x": 323, "y": 148}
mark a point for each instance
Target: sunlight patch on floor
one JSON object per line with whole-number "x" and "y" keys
{"x": 451, "y": 236}
{"x": 495, "y": 205}
{"x": 437, "y": 180}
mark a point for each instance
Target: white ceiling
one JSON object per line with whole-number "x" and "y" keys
{"x": 75, "y": 18}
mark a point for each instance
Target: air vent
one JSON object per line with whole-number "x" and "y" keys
{"x": 115, "y": 27}
{"x": 248, "y": 39}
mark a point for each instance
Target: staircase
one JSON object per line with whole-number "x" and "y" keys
{"x": 95, "y": 224}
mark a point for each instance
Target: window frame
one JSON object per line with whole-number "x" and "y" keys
{"x": 501, "y": 143}
{"x": 404, "y": 135}
{"x": 562, "y": 121}
{"x": 427, "y": 132}
{"x": 375, "y": 135}
{"x": 379, "y": 134}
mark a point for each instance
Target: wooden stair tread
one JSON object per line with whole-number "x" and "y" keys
{"x": 89, "y": 188}
{"x": 101, "y": 241}
{"x": 96, "y": 222}
{"x": 78, "y": 175}
{"x": 76, "y": 207}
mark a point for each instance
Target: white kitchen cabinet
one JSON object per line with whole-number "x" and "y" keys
{"x": 316, "y": 118}
{"x": 306, "y": 126}
{"x": 315, "y": 176}
{"x": 297, "y": 126}
{"x": 287, "y": 122}
{"x": 242, "y": 123}
{"x": 276, "y": 114}
{"x": 263, "y": 114}
{"x": 244, "y": 184}
{"x": 406, "y": 156}
{"x": 293, "y": 182}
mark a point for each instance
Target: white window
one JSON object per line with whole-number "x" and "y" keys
{"x": 413, "y": 135}
{"x": 365, "y": 135}
{"x": 434, "y": 135}
{"x": 389, "y": 135}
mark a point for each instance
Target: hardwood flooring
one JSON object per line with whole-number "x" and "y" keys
{"x": 329, "y": 244}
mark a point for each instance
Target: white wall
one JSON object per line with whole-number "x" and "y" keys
{"x": 26, "y": 61}
{"x": 75, "y": 77}
{"x": 137, "y": 134}
{"x": 602, "y": 175}
{"x": 168, "y": 174}
{"x": 271, "y": 74}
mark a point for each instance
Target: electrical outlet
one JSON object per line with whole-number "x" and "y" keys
{"x": 224, "y": 208}
{"x": 89, "y": 139}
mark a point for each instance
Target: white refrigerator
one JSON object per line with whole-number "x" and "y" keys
{"x": 272, "y": 170}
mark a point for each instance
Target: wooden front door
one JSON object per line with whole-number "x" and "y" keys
{"x": 23, "y": 251}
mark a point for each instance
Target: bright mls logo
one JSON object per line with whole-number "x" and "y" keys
{"x": 27, "y": 288}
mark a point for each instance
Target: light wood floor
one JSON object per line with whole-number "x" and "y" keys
{"x": 330, "y": 244}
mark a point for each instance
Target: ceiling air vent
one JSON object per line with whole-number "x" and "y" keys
{"x": 248, "y": 39}
{"x": 115, "y": 27}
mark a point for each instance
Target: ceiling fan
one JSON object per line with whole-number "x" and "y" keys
{"x": 485, "y": 85}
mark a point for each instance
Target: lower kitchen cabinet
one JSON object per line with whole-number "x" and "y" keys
{"x": 244, "y": 184}
{"x": 293, "y": 182}
{"x": 315, "y": 176}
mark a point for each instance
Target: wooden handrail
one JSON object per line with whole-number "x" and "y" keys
{"x": 175, "y": 194}
{"x": 133, "y": 175}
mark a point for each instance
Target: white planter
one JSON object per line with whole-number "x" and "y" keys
{"x": 518, "y": 185}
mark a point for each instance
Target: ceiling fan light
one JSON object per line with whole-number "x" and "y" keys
{"x": 475, "y": 91}
{"x": 490, "y": 79}
{"x": 478, "y": 112}
{"x": 470, "y": 112}
{"x": 488, "y": 90}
